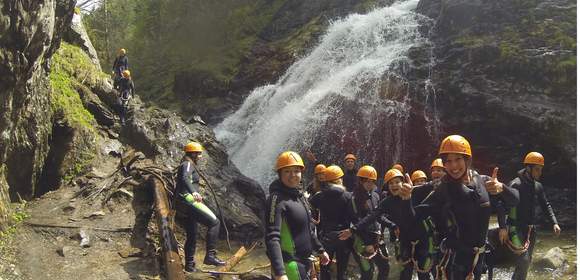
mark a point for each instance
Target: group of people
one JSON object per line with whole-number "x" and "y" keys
{"x": 438, "y": 227}
{"x": 123, "y": 83}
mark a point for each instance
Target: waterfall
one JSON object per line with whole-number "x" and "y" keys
{"x": 347, "y": 94}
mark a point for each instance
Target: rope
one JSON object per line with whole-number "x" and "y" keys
{"x": 442, "y": 266}
{"x": 217, "y": 204}
{"x": 477, "y": 251}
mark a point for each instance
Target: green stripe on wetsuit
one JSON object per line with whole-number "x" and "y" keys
{"x": 513, "y": 230}
{"x": 199, "y": 206}
{"x": 359, "y": 248}
{"x": 288, "y": 247}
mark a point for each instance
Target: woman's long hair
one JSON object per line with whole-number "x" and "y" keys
{"x": 361, "y": 195}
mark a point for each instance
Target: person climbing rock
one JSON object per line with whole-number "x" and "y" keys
{"x": 290, "y": 237}
{"x": 464, "y": 198}
{"x": 192, "y": 210}
{"x": 418, "y": 177}
{"x": 521, "y": 236}
{"x": 126, "y": 92}
{"x": 369, "y": 248}
{"x": 349, "y": 179}
{"x": 332, "y": 203}
{"x": 413, "y": 237}
{"x": 120, "y": 64}
{"x": 437, "y": 169}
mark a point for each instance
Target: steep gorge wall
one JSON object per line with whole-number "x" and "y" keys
{"x": 30, "y": 34}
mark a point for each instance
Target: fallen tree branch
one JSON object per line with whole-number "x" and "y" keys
{"x": 124, "y": 229}
{"x": 235, "y": 273}
{"x": 234, "y": 260}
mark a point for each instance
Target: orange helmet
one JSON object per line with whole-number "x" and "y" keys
{"x": 192, "y": 147}
{"x": 368, "y": 172}
{"x": 437, "y": 163}
{"x": 398, "y": 167}
{"x": 350, "y": 156}
{"x": 319, "y": 169}
{"x": 392, "y": 173}
{"x": 289, "y": 158}
{"x": 418, "y": 174}
{"x": 332, "y": 173}
{"x": 455, "y": 144}
{"x": 534, "y": 158}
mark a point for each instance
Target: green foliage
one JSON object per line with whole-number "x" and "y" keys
{"x": 110, "y": 28}
{"x": 17, "y": 216}
{"x": 69, "y": 66}
{"x": 81, "y": 163}
{"x": 164, "y": 38}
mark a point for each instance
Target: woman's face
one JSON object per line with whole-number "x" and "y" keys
{"x": 437, "y": 172}
{"x": 320, "y": 176}
{"x": 455, "y": 165}
{"x": 368, "y": 184}
{"x": 395, "y": 185}
{"x": 291, "y": 176}
{"x": 419, "y": 181}
{"x": 536, "y": 171}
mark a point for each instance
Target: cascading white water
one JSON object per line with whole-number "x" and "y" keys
{"x": 351, "y": 65}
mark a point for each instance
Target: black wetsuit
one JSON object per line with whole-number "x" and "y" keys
{"x": 349, "y": 180}
{"x": 190, "y": 213}
{"x": 126, "y": 91}
{"x": 370, "y": 234}
{"x": 411, "y": 231}
{"x": 290, "y": 237}
{"x": 120, "y": 64}
{"x": 522, "y": 219}
{"x": 468, "y": 208}
{"x": 332, "y": 202}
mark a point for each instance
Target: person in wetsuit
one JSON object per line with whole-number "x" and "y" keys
{"x": 191, "y": 209}
{"x": 465, "y": 198}
{"x": 418, "y": 177}
{"x": 120, "y": 64}
{"x": 414, "y": 236}
{"x": 369, "y": 248}
{"x": 437, "y": 169}
{"x": 290, "y": 236}
{"x": 332, "y": 205}
{"x": 521, "y": 219}
{"x": 126, "y": 92}
{"x": 349, "y": 179}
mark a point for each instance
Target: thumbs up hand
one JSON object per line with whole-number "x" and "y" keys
{"x": 493, "y": 186}
{"x": 407, "y": 188}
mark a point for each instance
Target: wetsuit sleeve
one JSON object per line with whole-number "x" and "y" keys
{"x": 510, "y": 196}
{"x": 132, "y": 88}
{"x": 315, "y": 201}
{"x": 316, "y": 244}
{"x": 419, "y": 193}
{"x": 273, "y": 226}
{"x": 430, "y": 206}
{"x": 545, "y": 204}
{"x": 115, "y": 63}
{"x": 501, "y": 211}
{"x": 188, "y": 177}
{"x": 385, "y": 222}
{"x": 372, "y": 216}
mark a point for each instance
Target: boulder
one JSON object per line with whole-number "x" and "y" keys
{"x": 553, "y": 259}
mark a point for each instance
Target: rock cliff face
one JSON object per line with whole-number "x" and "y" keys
{"x": 504, "y": 75}
{"x": 59, "y": 118}
{"x": 30, "y": 34}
